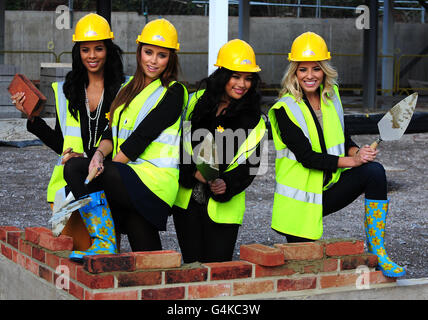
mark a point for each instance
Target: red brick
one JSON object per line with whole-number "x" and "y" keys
{"x": 53, "y": 243}
{"x": 94, "y": 281}
{"x": 32, "y": 234}
{"x": 13, "y": 238}
{"x": 284, "y": 270}
{"x": 32, "y": 266}
{"x": 297, "y": 284}
{"x": 252, "y": 287}
{"x": 25, "y": 247}
{"x": 4, "y": 230}
{"x": 209, "y": 291}
{"x": 157, "y": 259}
{"x": 52, "y": 260}
{"x": 316, "y": 266}
{"x": 229, "y": 270}
{"x": 6, "y": 251}
{"x": 343, "y": 248}
{"x": 21, "y": 259}
{"x": 117, "y": 295}
{"x": 376, "y": 277}
{"x": 109, "y": 263}
{"x": 186, "y": 275}
{"x": 71, "y": 265}
{"x": 38, "y": 254}
{"x": 352, "y": 262}
{"x": 262, "y": 255}
{"x": 338, "y": 280}
{"x": 46, "y": 274}
{"x": 174, "y": 293}
{"x": 330, "y": 265}
{"x": 76, "y": 290}
{"x": 144, "y": 278}
{"x": 301, "y": 251}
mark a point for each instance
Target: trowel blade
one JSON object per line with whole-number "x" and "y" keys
{"x": 395, "y": 122}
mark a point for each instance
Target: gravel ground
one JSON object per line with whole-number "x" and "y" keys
{"x": 25, "y": 173}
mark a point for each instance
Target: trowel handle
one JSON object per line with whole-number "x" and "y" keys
{"x": 91, "y": 175}
{"x": 375, "y": 144}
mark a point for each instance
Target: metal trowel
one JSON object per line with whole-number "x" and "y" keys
{"x": 395, "y": 122}
{"x": 63, "y": 208}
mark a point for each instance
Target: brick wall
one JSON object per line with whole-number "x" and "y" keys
{"x": 263, "y": 271}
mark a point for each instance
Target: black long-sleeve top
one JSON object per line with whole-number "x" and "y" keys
{"x": 53, "y": 138}
{"x": 299, "y": 144}
{"x": 163, "y": 116}
{"x": 238, "y": 179}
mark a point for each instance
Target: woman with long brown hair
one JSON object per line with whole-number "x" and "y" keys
{"x": 141, "y": 181}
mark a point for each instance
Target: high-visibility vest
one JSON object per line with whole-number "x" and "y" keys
{"x": 70, "y": 128}
{"x": 157, "y": 167}
{"x": 71, "y": 131}
{"x": 231, "y": 211}
{"x": 297, "y": 207}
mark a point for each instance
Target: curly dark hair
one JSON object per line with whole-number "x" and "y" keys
{"x": 214, "y": 91}
{"x": 74, "y": 80}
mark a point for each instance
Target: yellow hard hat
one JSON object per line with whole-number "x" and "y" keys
{"x": 92, "y": 27}
{"x": 160, "y": 32}
{"x": 237, "y": 55}
{"x": 309, "y": 47}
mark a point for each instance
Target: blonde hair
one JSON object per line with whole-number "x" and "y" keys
{"x": 290, "y": 84}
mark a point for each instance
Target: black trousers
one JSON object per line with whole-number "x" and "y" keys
{"x": 369, "y": 178}
{"x": 142, "y": 235}
{"x": 200, "y": 238}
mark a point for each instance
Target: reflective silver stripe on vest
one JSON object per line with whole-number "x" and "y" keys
{"x": 297, "y": 113}
{"x": 62, "y": 107}
{"x": 297, "y": 194}
{"x": 285, "y": 153}
{"x": 337, "y": 150}
{"x": 168, "y": 138}
{"x": 145, "y": 109}
{"x": 339, "y": 109}
{"x": 160, "y": 162}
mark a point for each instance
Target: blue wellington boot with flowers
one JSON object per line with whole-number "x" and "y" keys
{"x": 374, "y": 223}
{"x": 98, "y": 220}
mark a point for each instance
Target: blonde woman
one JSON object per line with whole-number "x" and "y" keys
{"x": 319, "y": 169}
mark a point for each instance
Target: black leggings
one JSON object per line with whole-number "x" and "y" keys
{"x": 369, "y": 178}
{"x": 200, "y": 238}
{"x": 142, "y": 235}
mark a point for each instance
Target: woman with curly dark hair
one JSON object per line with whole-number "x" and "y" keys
{"x": 209, "y": 210}
{"x": 82, "y": 101}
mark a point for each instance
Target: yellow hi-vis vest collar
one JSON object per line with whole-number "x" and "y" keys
{"x": 233, "y": 210}
{"x": 70, "y": 129}
{"x": 157, "y": 166}
{"x": 297, "y": 208}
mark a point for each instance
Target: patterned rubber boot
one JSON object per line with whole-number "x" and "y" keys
{"x": 98, "y": 220}
{"x": 374, "y": 223}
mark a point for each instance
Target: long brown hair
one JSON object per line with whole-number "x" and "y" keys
{"x": 136, "y": 85}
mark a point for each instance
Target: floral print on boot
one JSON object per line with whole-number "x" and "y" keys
{"x": 374, "y": 223}
{"x": 98, "y": 220}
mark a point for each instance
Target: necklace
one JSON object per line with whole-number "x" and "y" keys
{"x": 96, "y": 118}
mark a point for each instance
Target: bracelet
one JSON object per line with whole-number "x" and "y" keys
{"x": 357, "y": 151}
{"x": 101, "y": 153}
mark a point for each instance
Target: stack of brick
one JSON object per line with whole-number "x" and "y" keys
{"x": 263, "y": 271}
